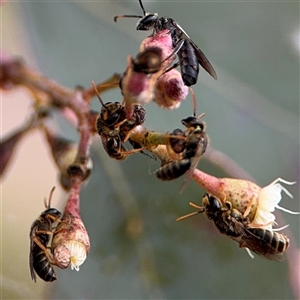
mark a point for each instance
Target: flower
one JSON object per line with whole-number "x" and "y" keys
{"x": 170, "y": 90}
{"x": 162, "y": 40}
{"x": 254, "y": 202}
{"x": 70, "y": 243}
{"x": 269, "y": 197}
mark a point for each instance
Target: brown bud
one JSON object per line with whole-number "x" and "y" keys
{"x": 64, "y": 153}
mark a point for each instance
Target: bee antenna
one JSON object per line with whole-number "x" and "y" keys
{"x": 188, "y": 216}
{"x": 50, "y": 197}
{"x": 199, "y": 211}
{"x": 97, "y": 93}
{"x": 194, "y": 101}
{"x": 142, "y": 6}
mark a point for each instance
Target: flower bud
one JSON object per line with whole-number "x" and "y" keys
{"x": 170, "y": 90}
{"x": 247, "y": 197}
{"x": 162, "y": 40}
{"x": 139, "y": 79}
{"x": 64, "y": 153}
{"x": 71, "y": 243}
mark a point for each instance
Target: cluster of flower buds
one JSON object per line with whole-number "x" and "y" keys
{"x": 148, "y": 77}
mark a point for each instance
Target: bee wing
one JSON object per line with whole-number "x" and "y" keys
{"x": 31, "y": 258}
{"x": 202, "y": 59}
{"x": 201, "y": 147}
{"x": 255, "y": 243}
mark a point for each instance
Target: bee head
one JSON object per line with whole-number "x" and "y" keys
{"x": 212, "y": 205}
{"x": 148, "y": 61}
{"x": 111, "y": 113}
{"x": 148, "y": 22}
{"x": 51, "y": 214}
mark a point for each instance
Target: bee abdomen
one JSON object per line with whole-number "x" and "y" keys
{"x": 278, "y": 241}
{"x": 174, "y": 169}
{"x": 42, "y": 266}
{"x": 188, "y": 63}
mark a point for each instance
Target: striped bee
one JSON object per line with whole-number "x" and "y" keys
{"x": 40, "y": 260}
{"x": 230, "y": 222}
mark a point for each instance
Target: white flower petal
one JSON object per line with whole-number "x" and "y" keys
{"x": 287, "y": 210}
{"x": 281, "y": 228}
{"x": 269, "y": 198}
{"x": 77, "y": 252}
{"x": 249, "y": 252}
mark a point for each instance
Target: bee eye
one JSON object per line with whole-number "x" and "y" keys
{"x": 228, "y": 205}
{"x": 214, "y": 203}
{"x": 147, "y": 22}
{"x": 112, "y": 119}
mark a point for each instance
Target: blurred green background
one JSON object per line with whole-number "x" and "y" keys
{"x": 252, "y": 115}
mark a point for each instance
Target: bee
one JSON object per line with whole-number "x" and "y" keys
{"x": 40, "y": 260}
{"x": 138, "y": 81}
{"x": 232, "y": 223}
{"x": 189, "y": 54}
{"x": 114, "y": 128}
{"x": 191, "y": 149}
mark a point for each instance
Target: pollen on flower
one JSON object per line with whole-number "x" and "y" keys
{"x": 269, "y": 198}
{"x": 77, "y": 252}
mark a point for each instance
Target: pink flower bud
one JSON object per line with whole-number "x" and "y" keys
{"x": 162, "y": 40}
{"x": 71, "y": 244}
{"x": 247, "y": 197}
{"x": 170, "y": 90}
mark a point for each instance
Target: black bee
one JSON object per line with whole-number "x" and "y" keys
{"x": 191, "y": 149}
{"x": 231, "y": 223}
{"x": 114, "y": 128}
{"x": 189, "y": 54}
{"x": 148, "y": 61}
{"x": 40, "y": 260}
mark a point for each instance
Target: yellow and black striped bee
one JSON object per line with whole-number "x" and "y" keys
{"x": 40, "y": 260}
{"x": 230, "y": 222}
{"x": 189, "y": 150}
{"x": 114, "y": 128}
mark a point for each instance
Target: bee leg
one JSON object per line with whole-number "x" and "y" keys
{"x": 44, "y": 248}
{"x": 169, "y": 69}
{"x": 172, "y": 154}
{"x": 54, "y": 219}
{"x": 248, "y": 208}
{"x": 175, "y": 50}
{"x": 254, "y": 225}
{"x": 44, "y": 232}
{"x": 132, "y": 151}
{"x": 127, "y": 136}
